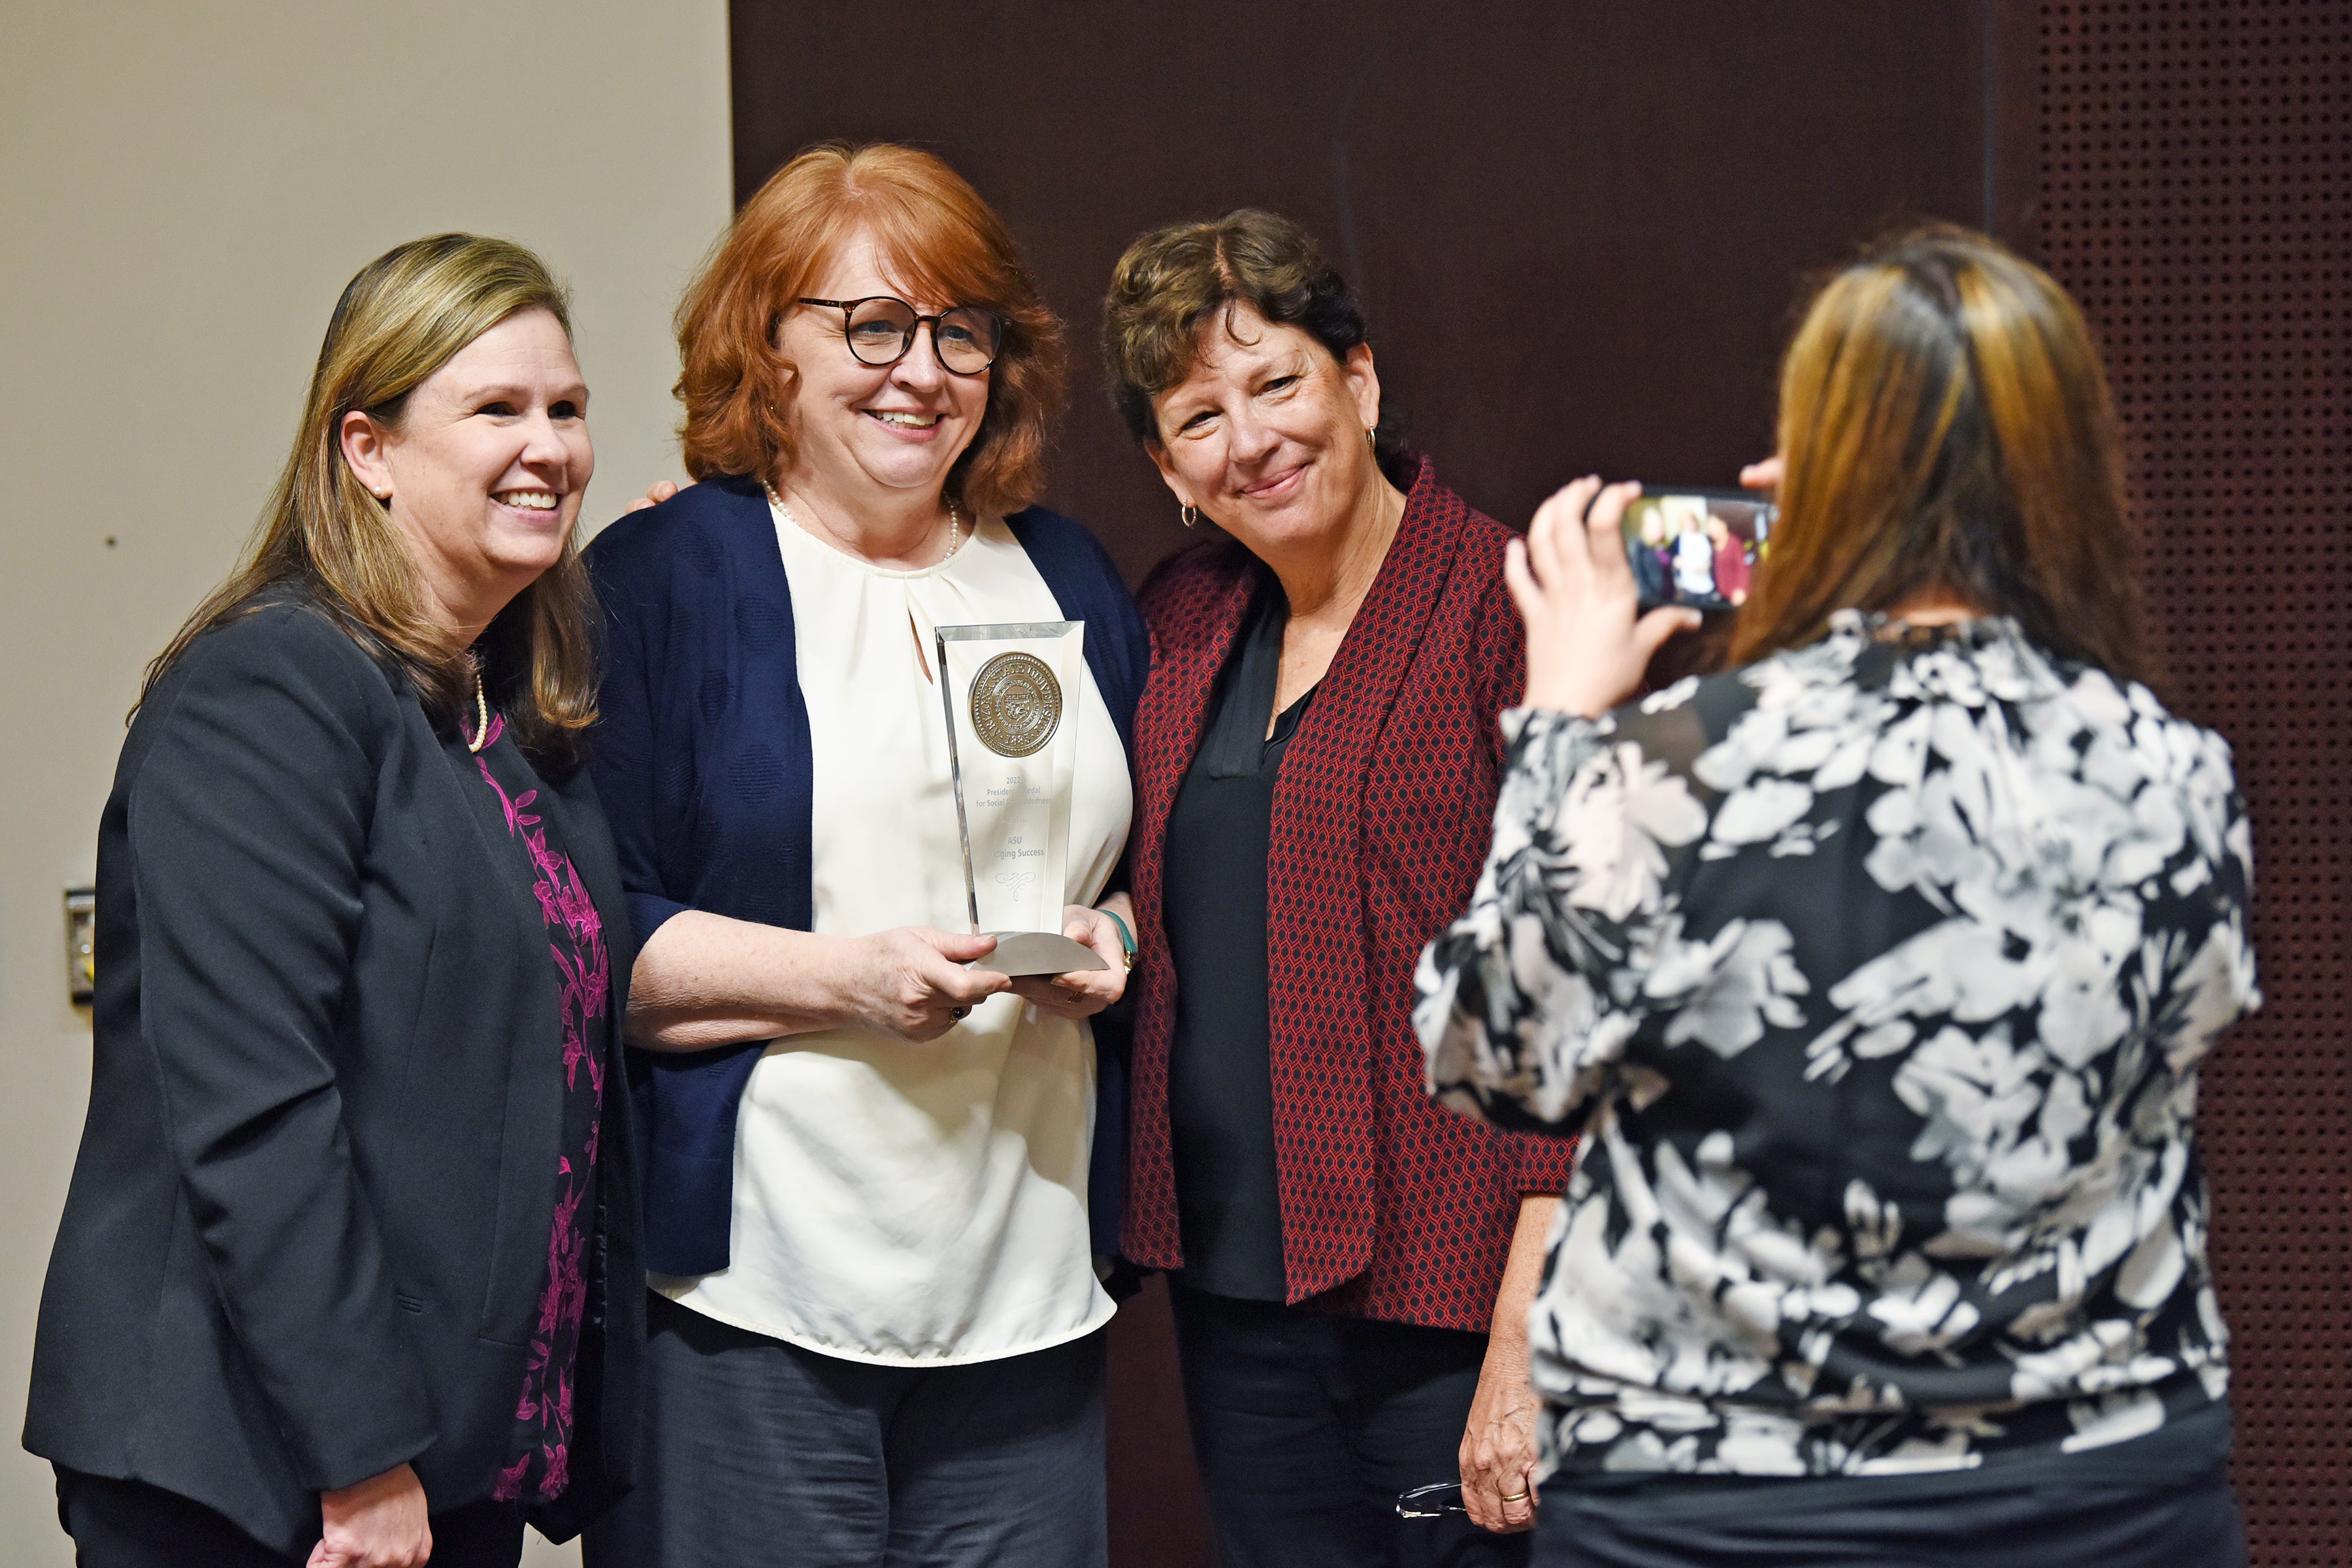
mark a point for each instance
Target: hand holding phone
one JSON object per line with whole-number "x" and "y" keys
{"x": 1589, "y": 641}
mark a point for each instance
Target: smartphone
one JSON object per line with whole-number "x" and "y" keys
{"x": 1697, "y": 547}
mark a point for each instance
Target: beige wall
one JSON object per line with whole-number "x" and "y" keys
{"x": 184, "y": 189}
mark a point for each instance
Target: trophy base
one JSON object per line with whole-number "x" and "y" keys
{"x": 1020, "y": 953}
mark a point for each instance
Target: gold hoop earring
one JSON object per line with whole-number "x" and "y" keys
{"x": 1187, "y": 515}
{"x": 1368, "y": 440}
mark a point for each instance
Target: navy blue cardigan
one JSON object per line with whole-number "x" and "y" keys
{"x": 702, "y": 759}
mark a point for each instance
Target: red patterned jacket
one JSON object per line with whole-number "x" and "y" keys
{"x": 1392, "y": 1207}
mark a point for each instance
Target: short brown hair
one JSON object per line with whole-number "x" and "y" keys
{"x": 929, "y": 223}
{"x": 1946, "y": 424}
{"x": 1170, "y": 280}
{"x": 405, "y": 315}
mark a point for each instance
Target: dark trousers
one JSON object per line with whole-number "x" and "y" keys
{"x": 129, "y": 1524}
{"x": 2195, "y": 1526}
{"x": 759, "y": 1453}
{"x": 1307, "y": 1426}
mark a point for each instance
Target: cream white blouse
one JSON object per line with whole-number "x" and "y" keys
{"x": 900, "y": 1204}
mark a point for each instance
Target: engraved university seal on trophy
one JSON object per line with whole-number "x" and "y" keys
{"x": 1016, "y": 704}
{"x": 1012, "y": 765}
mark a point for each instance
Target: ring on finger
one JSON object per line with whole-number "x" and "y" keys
{"x": 1513, "y": 1497}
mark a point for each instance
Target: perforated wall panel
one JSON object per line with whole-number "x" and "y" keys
{"x": 2196, "y": 195}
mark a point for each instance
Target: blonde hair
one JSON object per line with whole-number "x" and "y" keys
{"x": 1946, "y": 425}
{"x": 405, "y": 315}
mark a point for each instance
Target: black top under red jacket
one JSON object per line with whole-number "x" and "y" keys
{"x": 1392, "y": 1208}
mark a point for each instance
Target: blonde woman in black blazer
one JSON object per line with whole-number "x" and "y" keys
{"x": 349, "y": 1273}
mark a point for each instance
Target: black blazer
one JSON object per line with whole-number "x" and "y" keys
{"x": 308, "y": 1223}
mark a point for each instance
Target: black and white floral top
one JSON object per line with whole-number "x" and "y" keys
{"x": 1878, "y": 974}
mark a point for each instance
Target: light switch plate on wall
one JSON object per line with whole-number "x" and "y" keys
{"x": 81, "y": 933}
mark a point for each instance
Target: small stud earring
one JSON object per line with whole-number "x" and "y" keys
{"x": 1189, "y": 514}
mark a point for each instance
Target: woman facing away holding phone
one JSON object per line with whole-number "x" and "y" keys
{"x": 1877, "y": 970}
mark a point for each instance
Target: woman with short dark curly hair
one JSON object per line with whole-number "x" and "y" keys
{"x": 876, "y": 1325}
{"x": 1317, "y": 763}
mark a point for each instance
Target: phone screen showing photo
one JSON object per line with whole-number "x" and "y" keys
{"x": 1697, "y": 547}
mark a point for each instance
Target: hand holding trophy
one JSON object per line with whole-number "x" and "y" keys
{"x": 1013, "y": 760}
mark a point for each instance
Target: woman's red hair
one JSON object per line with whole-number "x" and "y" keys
{"x": 940, "y": 239}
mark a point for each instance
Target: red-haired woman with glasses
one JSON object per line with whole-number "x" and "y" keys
{"x": 875, "y": 1334}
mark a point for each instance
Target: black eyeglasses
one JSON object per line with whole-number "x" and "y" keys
{"x": 881, "y": 329}
{"x": 1432, "y": 1501}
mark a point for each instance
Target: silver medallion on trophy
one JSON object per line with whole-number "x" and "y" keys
{"x": 1012, "y": 752}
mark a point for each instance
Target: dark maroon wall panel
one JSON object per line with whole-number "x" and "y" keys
{"x": 1578, "y": 225}
{"x": 2196, "y": 195}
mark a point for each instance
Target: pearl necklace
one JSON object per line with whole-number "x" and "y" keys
{"x": 955, "y": 522}
{"x": 481, "y": 715}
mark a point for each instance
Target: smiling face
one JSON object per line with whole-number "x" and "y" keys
{"x": 486, "y": 466}
{"x": 876, "y": 434}
{"x": 1267, "y": 435}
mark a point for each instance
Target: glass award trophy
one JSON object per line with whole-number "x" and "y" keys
{"x": 1010, "y": 691}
